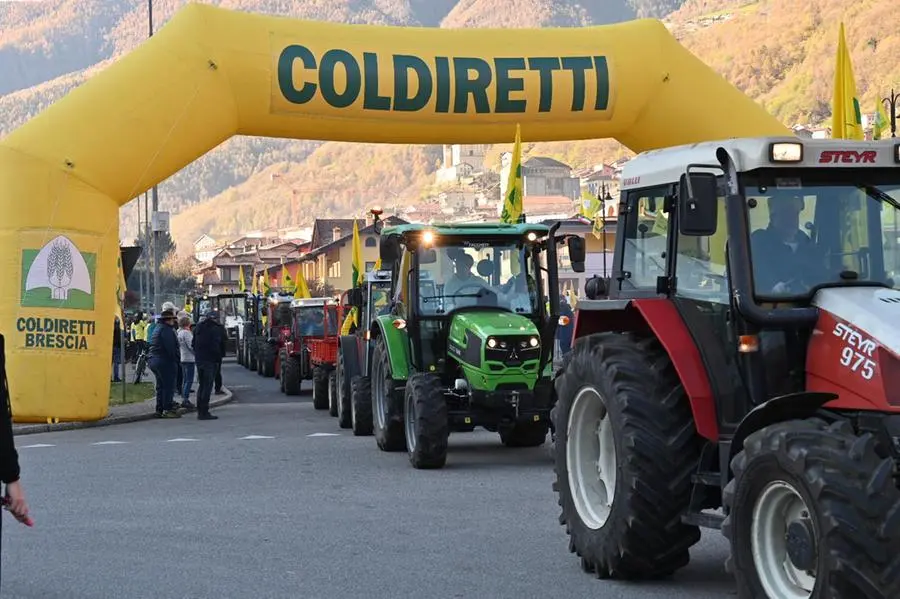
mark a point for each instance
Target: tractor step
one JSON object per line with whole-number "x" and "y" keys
{"x": 704, "y": 520}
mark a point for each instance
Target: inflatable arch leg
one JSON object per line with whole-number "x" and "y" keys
{"x": 210, "y": 74}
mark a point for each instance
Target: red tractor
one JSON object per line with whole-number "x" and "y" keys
{"x": 740, "y": 370}
{"x": 301, "y": 357}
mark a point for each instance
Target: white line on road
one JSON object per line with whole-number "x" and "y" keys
{"x": 36, "y": 445}
{"x": 178, "y": 440}
{"x": 324, "y": 435}
{"x": 256, "y": 437}
{"x": 110, "y": 443}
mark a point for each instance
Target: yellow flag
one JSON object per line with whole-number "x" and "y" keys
{"x": 357, "y": 264}
{"x": 121, "y": 287}
{"x": 377, "y": 264}
{"x": 301, "y": 289}
{"x": 287, "y": 283}
{"x": 255, "y": 288}
{"x": 846, "y": 119}
{"x": 881, "y": 124}
{"x": 512, "y": 202}
{"x": 264, "y": 281}
{"x": 241, "y": 284}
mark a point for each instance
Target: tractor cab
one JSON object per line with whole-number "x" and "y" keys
{"x": 371, "y": 300}
{"x": 276, "y": 331}
{"x": 310, "y": 351}
{"x": 743, "y": 356}
{"x": 470, "y": 326}
{"x": 232, "y": 309}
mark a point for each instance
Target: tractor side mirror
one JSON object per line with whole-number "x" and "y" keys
{"x": 389, "y": 249}
{"x": 378, "y": 225}
{"x": 698, "y": 209}
{"x": 354, "y": 296}
{"x": 576, "y": 247}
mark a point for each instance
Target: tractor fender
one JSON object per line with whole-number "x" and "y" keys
{"x": 397, "y": 344}
{"x": 347, "y": 345}
{"x": 794, "y": 406}
{"x": 661, "y": 316}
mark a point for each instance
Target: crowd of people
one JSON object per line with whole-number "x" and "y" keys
{"x": 178, "y": 351}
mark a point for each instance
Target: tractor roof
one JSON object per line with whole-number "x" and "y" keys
{"x": 312, "y": 302}
{"x": 378, "y": 275}
{"x": 496, "y": 229}
{"x": 281, "y": 298}
{"x": 666, "y": 166}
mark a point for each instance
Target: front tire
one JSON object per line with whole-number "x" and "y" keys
{"x": 290, "y": 375}
{"x": 426, "y": 422}
{"x": 320, "y": 388}
{"x": 809, "y": 511}
{"x": 342, "y": 394}
{"x": 387, "y": 414}
{"x": 626, "y": 448}
{"x": 361, "y": 406}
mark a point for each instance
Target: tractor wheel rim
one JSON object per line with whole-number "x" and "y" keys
{"x": 591, "y": 458}
{"x": 777, "y": 507}
{"x": 409, "y": 420}
{"x": 378, "y": 392}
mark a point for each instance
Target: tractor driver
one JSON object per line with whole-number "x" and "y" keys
{"x": 782, "y": 252}
{"x": 463, "y": 276}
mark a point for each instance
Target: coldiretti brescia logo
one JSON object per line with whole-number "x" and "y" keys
{"x": 441, "y": 84}
{"x": 58, "y": 275}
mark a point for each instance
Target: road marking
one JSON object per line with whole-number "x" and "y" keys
{"x": 256, "y": 437}
{"x": 110, "y": 443}
{"x": 37, "y": 445}
{"x": 324, "y": 435}
{"x": 178, "y": 440}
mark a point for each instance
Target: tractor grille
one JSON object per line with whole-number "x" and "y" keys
{"x": 516, "y": 351}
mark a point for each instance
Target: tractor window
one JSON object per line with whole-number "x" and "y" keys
{"x": 311, "y": 321}
{"x": 646, "y": 230}
{"x": 813, "y": 227}
{"x": 379, "y": 301}
{"x": 281, "y": 315}
{"x": 700, "y": 264}
{"x": 489, "y": 274}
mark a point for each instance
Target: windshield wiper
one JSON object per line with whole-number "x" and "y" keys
{"x": 879, "y": 195}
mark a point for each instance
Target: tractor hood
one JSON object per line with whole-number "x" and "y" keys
{"x": 486, "y": 324}
{"x": 873, "y": 311}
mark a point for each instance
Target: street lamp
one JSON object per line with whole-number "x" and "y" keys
{"x": 891, "y": 105}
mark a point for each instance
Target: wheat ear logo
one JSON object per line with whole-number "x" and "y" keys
{"x": 58, "y": 276}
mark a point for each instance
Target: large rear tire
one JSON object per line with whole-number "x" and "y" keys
{"x": 361, "y": 406}
{"x": 290, "y": 375}
{"x": 626, "y": 448}
{"x": 267, "y": 360}
{"x": 320, "y": 388}
{"x": 813, "y": 512}
{"x": 426, "y": 422}
{"x": 387, "y": 412}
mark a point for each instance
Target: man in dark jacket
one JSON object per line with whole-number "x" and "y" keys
{"x": 9, "y": 457}
{"x": 209, "y": 349}
{"x": 164, "y": 358}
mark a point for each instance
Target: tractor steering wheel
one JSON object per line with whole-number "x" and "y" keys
{"x": 479, "y": 289}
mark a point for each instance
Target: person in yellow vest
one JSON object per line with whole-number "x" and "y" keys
{"x": 139, "y": 333}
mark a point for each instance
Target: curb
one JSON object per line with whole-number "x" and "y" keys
{"x": 31, "y": 429}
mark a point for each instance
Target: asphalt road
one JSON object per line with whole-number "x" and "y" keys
{"x": 259, "y": 504}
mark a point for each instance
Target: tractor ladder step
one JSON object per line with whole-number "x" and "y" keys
{"x": 704, "y": 520}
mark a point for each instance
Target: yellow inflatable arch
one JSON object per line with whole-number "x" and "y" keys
{"x": 210, "y": 74}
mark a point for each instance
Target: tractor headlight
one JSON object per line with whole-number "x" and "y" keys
{"x": 786, "y": 152}
{"x": 494, "y": 343}
{"x": 534, "y": 342}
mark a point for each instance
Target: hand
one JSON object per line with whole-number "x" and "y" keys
{"x": 17, "y": 505}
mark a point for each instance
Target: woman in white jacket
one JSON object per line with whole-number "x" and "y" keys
{"x": 185, "y": 343}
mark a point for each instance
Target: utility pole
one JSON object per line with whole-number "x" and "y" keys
{"x": 155, "y": 242}
{"x": 139, "y": 231}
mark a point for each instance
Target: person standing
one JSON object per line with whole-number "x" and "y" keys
{"x": 564, "y": 332}
{"x": 163, "y": 360}
{"x": 185, "y": 347}
{"x": 117, "y": 352}
{"x": 209, "y": 348}
{"x": 9, "y": 457}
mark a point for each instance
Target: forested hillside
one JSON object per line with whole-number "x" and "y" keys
{"x": 779, "y": 52}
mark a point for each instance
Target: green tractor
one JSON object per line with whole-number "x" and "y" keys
{"x": 461, "y": 349}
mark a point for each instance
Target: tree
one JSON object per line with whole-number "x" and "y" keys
{"x": 165, "y": 241}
